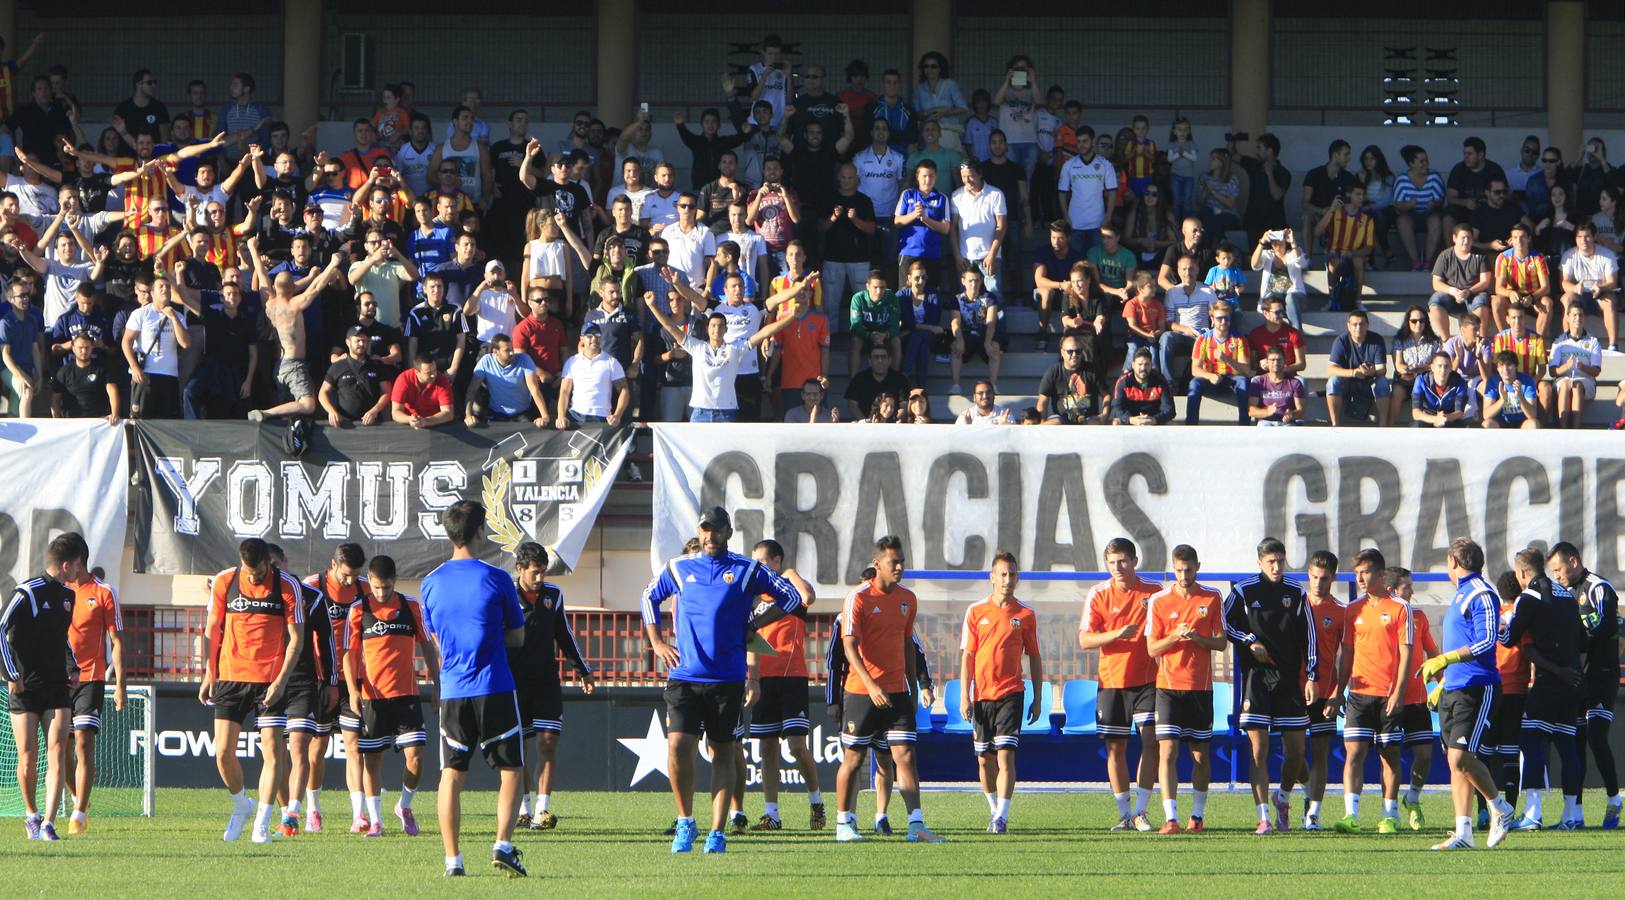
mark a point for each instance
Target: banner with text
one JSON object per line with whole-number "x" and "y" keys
{"x": 56, "y": 476}
{"x": 1055, "y": 496}
{"x": 208, "y": 485}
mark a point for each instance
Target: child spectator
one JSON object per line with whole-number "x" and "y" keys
{"x": 1183, "y": 160}
{"x": 1509, "y": 395}
{"x": 390, "y": 119}
{"x": 1350, "y": 235}
{"x": 1226, "y": 279}
{"x": 1139, "y": 155}
{"x": 1440, "y": 396}
{"x": 726, "y": 263}
{"x": 980, "y": 126}
{"x": 875, "y": 314}
{"x": 1145, "y": 315}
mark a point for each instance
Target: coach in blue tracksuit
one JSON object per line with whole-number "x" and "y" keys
{"x": 1467, "y": 698}
{"x": 715, "y": 592}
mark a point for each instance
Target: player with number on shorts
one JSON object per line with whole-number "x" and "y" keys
{"x": 98, "y": 648}
{"x": 997, "y": 632}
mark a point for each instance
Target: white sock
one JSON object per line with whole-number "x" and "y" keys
{"x": 1002, "y": 811}
{"x": 879, "y": 817}
{"x": 1170, "y": 810}
{"x": 313, "y": 798}
{"x": 915, "y": 815}
{"x": 237, "y": 799}
{"x": 292, "y": 809}
{"x": 1199, "y": 804}
{"x": 1464, "y": 827}
{"x": 504, "y": 846}
{"x": 1413, "y": 794}
{"x": 78, "y": 816}
{"x": 524, "y": 805}
{"x": 771, "y": 810}
{"x": 1263, "y": 812}
{"x": 1122, "y": 803}
{"x": 1142, "y": 800}
{"x": 356, "y": 801}
{"x": 542, "y": 801}
{"x": 1531, "y": 804}
{"x": 1313, "y": 811}
{"x": 992, "y": 801}
{"x": 406, "y": 796}
{"x": 1571, "y": 807}
{"x": 375, "y": 809}
{"x": 1503, "y": 807}
{"x": 454, "y": 862}
{"x": 1351, "y": 804}
{"x": 816, "y": 798}
{"x": 1280, "y": 797}
{"x": 262, "y": 817}
{"x": 1390, "y": 808}
{"x": 846, "y": 818}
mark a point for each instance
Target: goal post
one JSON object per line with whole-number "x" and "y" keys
{"x": 126, "y": 773}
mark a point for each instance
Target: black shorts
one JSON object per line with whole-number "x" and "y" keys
{"x": 997, "y": 723}
{"x": 1418, "y": 724}
{"x": 305, "y": 698}
{"x": 488, "y": 723}
{"x": 396, "y": 720}
{"x": 1599, "y": 699}
{"x": 1184, "y": 715}
{"x": 1466, "y": 717}
{"x": 868, "y": 725}
{"x": 346, "y": 716}
{"x": 1508, "y": 732}
{"x": 240, "y": 701}
{"x": 88, "y": 698}
{"x": 1318, "y": 723}
{"x": 782, "y": 708}
{"x": 1120, "y": 712}
{"x": 1271, "y": 701}
{"x": 1552, "y": 707}
{"x": 976, "y": 344}
{"x": 40, "y": 699}
{"x": 712, "y": 709}
{"x": 541, "y": 706}
{"x": 327, "y": 713}
{"x": 1367, "y": 719}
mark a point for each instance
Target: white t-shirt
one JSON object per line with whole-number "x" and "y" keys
{"x": 592, "y": 381}
{"x": 977, "y": 217}
{"x": 1588, "y": 272}
{"x": 690, "y": 252}
{"x": 660, "y": 210}
{"x": 1087, "y": 182}
{"x": 414, "y": 166}
{"x": 715, "y": 369}
{"x": 155, "y": 336}
{"x": 61, "y": 283}
{"x": 775, "y": 85}
{"x": 203, "y": 198}
{"x": 1190, "y": 308}
{"x": 744, "y": 320}
{"x": 880, "y": 178}
{"x": 546, "y": 258}
{"x": 1587, "y": 349}
{"x": 973, "y": 416}
{"x": 751, "y": 249}
{"x": 1294, "y": 262}
{"x": 33, "y": 199}
{"x": 637, "y": 197}
{"x": 497, "y": 314}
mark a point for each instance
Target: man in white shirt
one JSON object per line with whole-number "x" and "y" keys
{"x": 1088, "y": 189}
{"x": 1591, "y": 278}
{"x": 983, "y": 411}
{"x": 979, "y": 216}
{"x": 880, "y": 178}
{"x": 1188, "y": 303}
{"x": 689, "y": 245}
{"x": 716, "y": 360}
{"x": 660, "y": 207}
{"x": 592, "y": 387}
{"x": 153, "y": 337}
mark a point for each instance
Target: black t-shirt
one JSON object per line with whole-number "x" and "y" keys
{"x": 635, "y": 238}
{"x": 1008, "y": 177}
{"x": 1472, "y": 185}
{"x": 1056, "y": 268}
{"x": 1263, "y": 210}
{"x": 812, "y": 174}
{"x": 1073, "y": 396}
{"x": 436, "y": 329}
{"x": 93, "y": 189}
{"x": 143, "y": 118}
{"x": 844, "y": 242}
{"x": 506, "y": 158}
{"x": 229, "y": 338}
{"x": 276, "y": 239}
{"x": 863, "y": 389}
{"x": 1496, "y": 224}
{"x": 569, "y": 198}
{"x": 380, "y": 338}
{"x": 1205, "y": 258}
{"x": 292, "y": 185}
{"x": 818, "y": 108}
{"x": 41, "y": 127}
{"x": 83, "y": 390}
{"x": 357, "y": 385}
{"x": 1323, "y": 188}
{"x": 118, "y": 276}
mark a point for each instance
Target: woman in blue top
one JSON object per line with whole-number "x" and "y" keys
{"x": 937, "y": 98}
{"x": 1418, "y": 200}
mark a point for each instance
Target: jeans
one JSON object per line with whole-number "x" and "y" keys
{"x": 991, "y": 281}
{"x": 1234, "y": 386}
{"x": 673, "y": 403}
{"x": 1339, "y": 386}
{"x": 577, "y": 418}
{"x": 1026, "y": 155}
{"x": 918, "y": 348}
{"x": 1184, "y": 199}
{"x": 696, "y": 414}
{"x": 1170, "y": 345}
{"x": 1083, "y": 240}
{"x": 841, "y": 280}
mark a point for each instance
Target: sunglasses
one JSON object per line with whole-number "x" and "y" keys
{"x": 582, "y": 122}
{"x": 1416, "y": 321}
{"x": 685, "y": 206}
{"x": 1548, "y": 159}
{"x": 333, "y": 173}
{"x": 448, "y": 171}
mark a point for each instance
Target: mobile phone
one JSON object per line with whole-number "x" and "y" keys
{"x": 1018, "y": 78}
{"x": 1277, "y": 235}
{"x": 644, "y": 108}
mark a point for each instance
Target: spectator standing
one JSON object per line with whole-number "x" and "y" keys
{"x": 880, "y": 177}
{"x": 594, "y": 385}
{"x": 937, "y": 98}
{"x": 980, "y": 126}
{"x": 980, "y": 221}
{"x": 1088, "y": 189}
{"x": 803, "y": 345}
{"x": 922, "y": 221}
{"x": 707, "y": 146}
{"x": 154, "y": 336}
{"x": 1358, "y": 373}
{"x": 1324, "y": 184}
{"x": 1016, "y": 100}
{"x": 1267, "y": 184}
{"x": 892, "y": 108}
{"x": 774, "y": 211}
{"x": 847, "y": 231}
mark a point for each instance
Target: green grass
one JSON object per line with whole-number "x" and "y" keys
{"x": 609, "y": 844}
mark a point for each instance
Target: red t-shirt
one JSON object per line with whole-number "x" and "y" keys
{"x": 802, "y": 344}
{"x": 1260, "y": 340}
{"x": 421, "y": 399}
{"x": 543, "y": 339}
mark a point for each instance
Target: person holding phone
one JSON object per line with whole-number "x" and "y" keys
{"x": 1018, "y": 112}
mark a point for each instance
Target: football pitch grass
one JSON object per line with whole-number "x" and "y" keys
{"x": 609, "y": 844}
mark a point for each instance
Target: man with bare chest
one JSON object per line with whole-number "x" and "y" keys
{"x": 285, "y": 307}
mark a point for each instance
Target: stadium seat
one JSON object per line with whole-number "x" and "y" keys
{"x": 923, "y": 721}
{"x": 957, "y": 724}
{"x": 1078, "y": 701}
{"x": 1046, "y": 702}
{"x": 1224, "y": 703}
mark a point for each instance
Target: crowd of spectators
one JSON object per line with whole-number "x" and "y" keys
{"x": 212, "y": 263}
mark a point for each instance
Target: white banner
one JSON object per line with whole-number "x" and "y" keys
{"x": 1055, "y": 496}
{"x": 61, "y": 475}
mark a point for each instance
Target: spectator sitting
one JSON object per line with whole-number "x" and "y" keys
{"x": 1470, "y": 357}
{"x": 357, "y": 386}
{"x": 1275, "y": 397}
{"x": 1350, "y": 236}
{"x": 1508, "y": 395}
{"x": 1083, "y": 313}
{"x": 1554, "y": 233}
{"x": 1358, "y": 370}
{"x": 977, "y": 326}
{"x": 1069, "y": 393}
{"x": 812, "y": 408}
{"x": 1218, "y": 365}
{"x": 1275, "y": 332}
{"x": 1323, "y": 185}
{"x": 1529, "y": 349}
{"x": 917, "y": 408}
{"x": 874, "y": 314}
{"x": 1188, "y": 306}
{"x": 504, "y": 388}
{"x": 1145, "y": 317}
{"x": 1414, "y": 348}
{"x": 983, "y": 410}
{"x": 1461, "y": 283}
{"x": 1226, "y": 279}
{"x": 1591, "y": 280}
{"x": 1439, "y": 396}
{"x": 1492, "y": 221}
{"x": 1192, "y": 241}
{"x": 421, "y": 397}
{"x": 1141, "y": 395}
{"x": 1468, "y": 182}
{"x": 1522, "y": 276}
{"x": 1418, "y": 200}
{"x": 1576, "y": 361}
{"x": 593, "y": 388}
{"x": 878, "y": 379}
{"x": 883, "y": 409}
{"x": 925, "y": 333}
{"x": 1115, "y": 263}
{"x": 1051, "y": 270}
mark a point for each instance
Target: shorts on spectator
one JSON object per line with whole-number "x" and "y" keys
{"x": 1592, "y": 303}
{"x": 294, "y": 378}
{"x": 1588, "y": 385}
{"x": 1455, "y": 307}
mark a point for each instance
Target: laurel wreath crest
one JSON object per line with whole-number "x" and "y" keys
{"x": 504, "y": 531}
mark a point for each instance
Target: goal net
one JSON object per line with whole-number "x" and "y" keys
{"x": 124, "y": 761}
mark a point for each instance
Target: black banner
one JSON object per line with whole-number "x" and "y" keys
{"x": 205, "y": 486}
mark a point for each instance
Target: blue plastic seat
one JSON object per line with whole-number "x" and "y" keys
{"x": 1224, "y": 703}
{"x": 1078, "y": 701}
{"x": 957, "y": 724}
{"x": 1046, "y": 702}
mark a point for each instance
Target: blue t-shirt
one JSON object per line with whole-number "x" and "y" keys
{"x": 1511, "y": 411}
{"x": 1371, "y": 352}
{"x": 915, "y": 239}
{"x": 469, "y": 606}
{"x": 429, "y": 249}
{"x": 713, "y": 600}
{"x": 20, "y": 333}
{"x": 509, "y": 395}
{"x": 1472, "y": 622}
{"x": 1227, "y": 284}
{"x": 721, "y": 281}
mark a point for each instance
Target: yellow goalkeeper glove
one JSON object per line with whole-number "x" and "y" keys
{"x": 1432, "y": 668}
{"x": 1433, "y": 696}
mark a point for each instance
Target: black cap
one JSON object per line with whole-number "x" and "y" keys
{"x": 716, "y": 519}
{"x": 356, "y": 331}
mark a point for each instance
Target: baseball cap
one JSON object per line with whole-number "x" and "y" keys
{"x": 715, "y": 518}
{"x": 591, "y": 328}
{"x": 493, "y": 266}
{"x": 356, "y": 331}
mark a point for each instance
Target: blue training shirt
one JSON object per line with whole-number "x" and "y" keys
{"x": 714, "y": 598}
{"x": 469, "y": 605}
{"x": 1472, "y": 622}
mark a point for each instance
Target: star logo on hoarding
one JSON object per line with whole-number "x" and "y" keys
{"x": 650, "y": 749}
